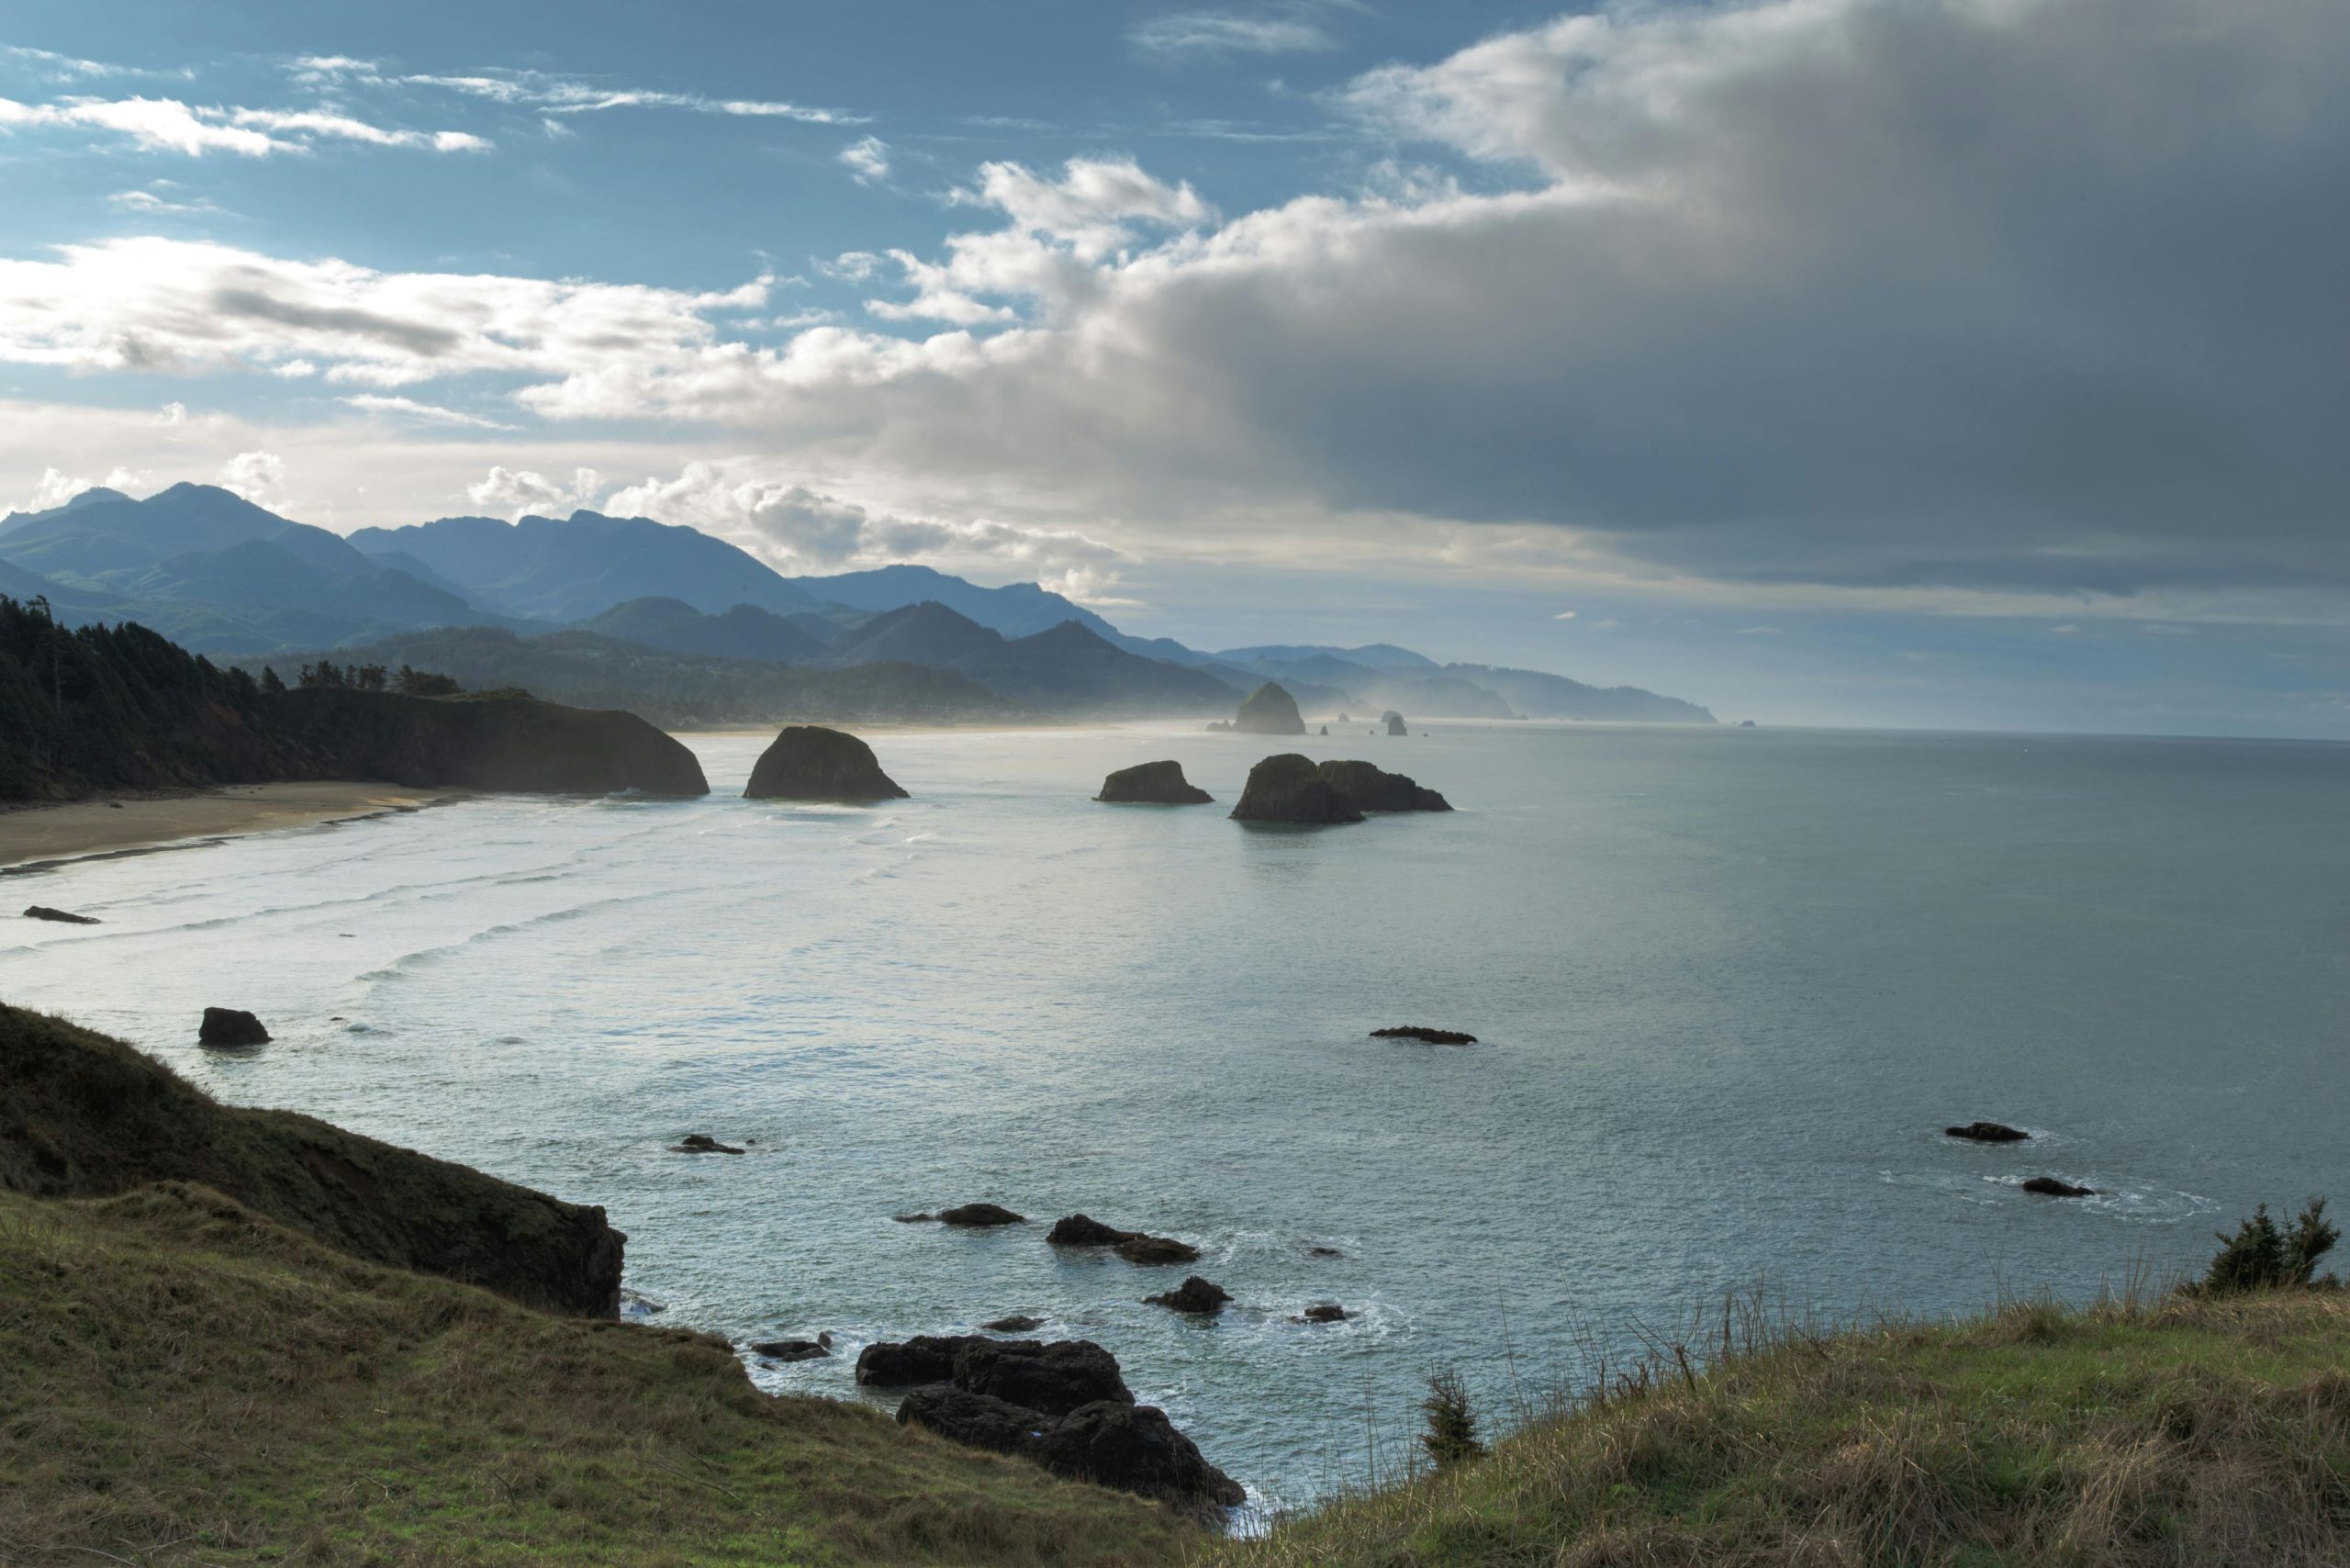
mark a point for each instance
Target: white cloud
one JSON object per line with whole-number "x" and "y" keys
{"x": 54, "y": 489}
{"x": 167, "y": 125}
{"x": 1564, "y": 615}
{"x": 431, "y": 413}
{"x": 315, "y": 123}
{"x": 294, "y": 369}
{"x": 521, "y": 492}
{"x": 259, "y": 476}
{"x": 571, "y": 95}
{"x": 172, "y": 413}
{"x": 868, "y": 160}
{"x": 1193, "y": 35}
{"x": 155, "y": 201}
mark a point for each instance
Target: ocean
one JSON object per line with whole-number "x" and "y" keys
{"x": 1728, "y": 987}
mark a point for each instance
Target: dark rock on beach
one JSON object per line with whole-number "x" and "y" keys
{"x": 230, "y": 1027}
{"x": 42, "y": 911}
{"x": 1194, "y": 1295}
{"x": 1270, "y": 710}
{"x": 1376, "y": 790}
{"x": 1152, "y": 784}
{"x": 1016, "y": 1324}
{"x": 1987, "y": 1132}
{"x": 794, "y": 1349}
{"x": 701, "y": 1142}
{"x": 1289, "y": 789}
{"x": 2049, "y": 1187}
{"x": 1424, "y": 1034}
{"x": 808, "y": 762}
{"x": 980, "y": 1216}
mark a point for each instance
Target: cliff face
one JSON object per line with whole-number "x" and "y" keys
{"x": 86, "y": 1115}
{"x": 490, "y": 740}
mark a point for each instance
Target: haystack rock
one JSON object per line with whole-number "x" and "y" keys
{"x": 980, "y": 1216}
{"x": 230, "y": 1027}
{"x": 808, "y": 762}
{"x": 1270, "y": 710}
{"x": 1194, "y": 1295}
{"x": 1289, "y": 789}
{"x": 1152, "y": 784}
{"x": 1376, "y": 790}
{"x": 1395, "y": 722}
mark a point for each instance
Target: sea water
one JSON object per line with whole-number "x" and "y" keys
{"x": 1728, "y": 986}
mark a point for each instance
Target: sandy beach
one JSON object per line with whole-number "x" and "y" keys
{"x": 93, "y": 827}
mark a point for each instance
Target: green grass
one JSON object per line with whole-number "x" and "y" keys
{"x": 184, "y": 1381}
{"x": 2171, "y": 1430}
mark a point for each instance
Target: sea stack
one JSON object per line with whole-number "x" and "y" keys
{"x": 1289, "y": 789}
{"x": 808, "y": 762}
{"x": 1270, "y": 710}
{"x": 1152, "y": 784}
{"x": 1395, "y": 722}
{"x": 1376, "y": 790}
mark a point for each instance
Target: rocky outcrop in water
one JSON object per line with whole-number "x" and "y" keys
{"x": 1133, "y": 1246}
{"x": 1395, "y": 722}
{"x": 701, "y": 1142}
{"x": 1988, "y": 1132}
{"x": 1322, "y": 1311}
{"x": 1063, "y": 1405}
{"x": 2049, "y": 1187}
{"x": 1289, "y": 789}
{"x": 484, "y": 740}
{"x": 980, "y": 1216}
{"x": 794, "y": 1349}
{"x": 1015, "y": 1324}
{"x": 1156, "y": 1251}
{"x": 84, "y": 1116}
{"x": 1152, "y": 784}
{"x": 1270, "y": 710}
{"x": 1195, "y": 1295}
{"x": 1376, "y": 790}
{"x": 1424, "y": 1034}
{"x": 230, "y": 1027}
{"x": 42, "y": 911}
{"x": 808, "y": 762}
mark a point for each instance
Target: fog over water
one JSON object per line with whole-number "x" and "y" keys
{"x": 1730, "y": 986}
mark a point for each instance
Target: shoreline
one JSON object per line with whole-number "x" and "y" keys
{"x": 36, "y": 835}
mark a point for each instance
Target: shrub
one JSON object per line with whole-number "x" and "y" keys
{"x": 2260, "y": 1256}
{"x": 1451, "y": 1436}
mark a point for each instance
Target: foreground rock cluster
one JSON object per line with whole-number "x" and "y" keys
{"x": 1291, "y": 788}
{"x": 1063, "y": 1405}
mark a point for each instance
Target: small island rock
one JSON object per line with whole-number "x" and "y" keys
{"x": 1152, "y": 784}
{"x": 980, "y": 1216}
{"x": 1376, "y": 790}
{"x": 1194, "y": 1295}
{"x": 1395, "y": 722}
{"x": 1424, "y": 1034}
{"x": 1015, "y": 1324}
{"x": 1987, "y": 1132}
{"x": 1156, "y": 1251}
{"x": 808, "y": 762}
{"x": 1322, "y": 1311}
{"x": 701, "y": 1142}
{"x": 1084, "y": 1230}
{"x": 1270, "y": 710}
{"x": 2049, "y": 1187}
{"x": 230, "y": 1027}
{"x": 794, "y": 1349}
{"x": 1289, "y": 789}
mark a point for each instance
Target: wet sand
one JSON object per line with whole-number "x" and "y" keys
{"x": 31, "y": 833}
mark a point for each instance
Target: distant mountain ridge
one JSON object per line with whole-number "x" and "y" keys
{"x": 222, "y": 576}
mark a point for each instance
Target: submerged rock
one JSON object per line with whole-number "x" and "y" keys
{"x": 1322, "y": 1312}
{"x": 914, "y": 1219}
{"x": 1376, "y": 790}
{"x": 980, "y": 1216}
{"x": 701, "y": 1142}
{"x": 230, "y": 1027}
{"x": 1270, "y": 710}
{"x": 1395, "y": 722}
{"x": 1194, "y": 1295}
{"x": 42, "y": 911}
{"x": 1988, "y": 1132}
{"x": 1324, "y": 1252}
{"x": 1015, "y": 1324}
{"x": 1424, "y": 1034}
{"x": 808, "y": 762}
{"x": 794, "y": 1349}
{"x": 1289, "y": 789}
{"x": 1152, "y": 784}
{"x": 2049, "y": 1187}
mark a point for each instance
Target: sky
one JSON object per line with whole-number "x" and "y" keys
{"x": 1977, "y": 363}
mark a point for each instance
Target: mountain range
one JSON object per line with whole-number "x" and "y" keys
{"x": 596, "y": 603}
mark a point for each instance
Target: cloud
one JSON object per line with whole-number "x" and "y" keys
{"x": 1761, "y": 631}
{"x": 1564, "y": 615}
{"x": 802, "y": 529}
{"x": 431, "y": 413}
{"x": 868, "y": 160}
{"x": 519, "y": 492}
{"x": 54, "y": 489}
{"x": 573, "y": 95}
{"x": 154, "y": 202}
{"x": 1195, "y": 34}
{"x": 167, "y": 125}
{"x": 259, "y": 476}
